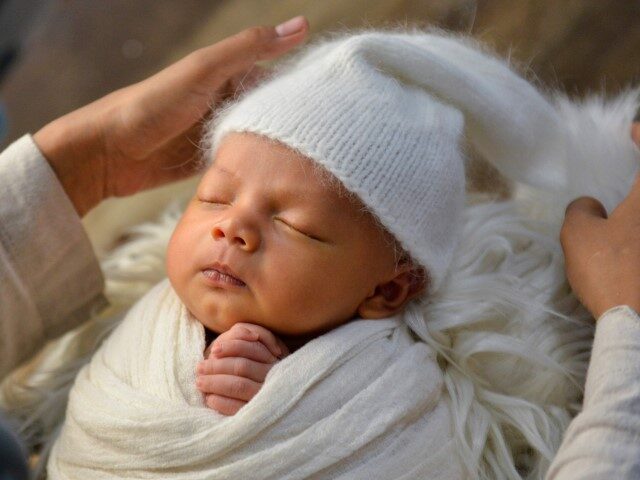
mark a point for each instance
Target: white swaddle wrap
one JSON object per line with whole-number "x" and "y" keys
{"x": 362, "y": 401}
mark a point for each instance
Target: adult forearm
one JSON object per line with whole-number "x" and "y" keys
{"x": 67, "y": 146}
{"x": 50, "y": 280}
{"x": 602, "y": 442}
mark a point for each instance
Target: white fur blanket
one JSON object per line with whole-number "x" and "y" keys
{"x": 362, "y": 401}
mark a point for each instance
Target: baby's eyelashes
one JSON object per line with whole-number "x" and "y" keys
{"x": 213, "y": 202}
{"x": 298, "y": 230}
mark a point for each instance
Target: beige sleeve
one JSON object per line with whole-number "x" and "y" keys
{"x": 603, "y": 441}
{"x": 50, "y": 279}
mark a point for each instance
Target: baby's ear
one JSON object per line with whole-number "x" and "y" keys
{"x": 390, "y": 297}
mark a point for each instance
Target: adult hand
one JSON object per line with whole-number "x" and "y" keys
{"x": 602, "y": 255}
{"x": 146, "y": 134}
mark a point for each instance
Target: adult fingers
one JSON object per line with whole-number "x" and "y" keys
{"x": 239, "y": 52}
{"x": 224, "y": 405}
{"x": 177, "y": 159}
{"x": 228, "y": 386}
{"x": 628, "y": 211}
{"x": 238, "y": 366}
{"x": 585, "y": 207}
{"x": 633, "y": 196}
{"x": 209, "y": 68}
{"x": 177, "y": 96}
{"x": 249, "y": 80}
{"x": 243, "y": 82}
{"x": 256, "y": 351}
{"x": 635, "y": 133}
{"x": 579, "y": 216}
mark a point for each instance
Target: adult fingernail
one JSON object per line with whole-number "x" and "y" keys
{"x": 290, "y": 26}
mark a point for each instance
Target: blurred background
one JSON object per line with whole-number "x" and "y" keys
{"x": 57, "y": 55}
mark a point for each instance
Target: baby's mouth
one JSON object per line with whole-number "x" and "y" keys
{"x": 220, "y": 277}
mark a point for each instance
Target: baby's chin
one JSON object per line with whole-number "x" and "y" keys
{"x": 215, "y": 322}
{"x": 212, "y": 313}
{"x": 220, "y": 314}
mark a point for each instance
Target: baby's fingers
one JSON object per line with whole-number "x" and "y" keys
{"x": 229, "y": 386}
{"x": 240, "y": 348}
{"x": 238, "y": 333}
{"x": 224, "y": 405}
{"x": 238, "y": 366}
{"x": 273, "y": 343}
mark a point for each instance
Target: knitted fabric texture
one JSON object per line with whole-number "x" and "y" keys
{"x": 386, "y": 113}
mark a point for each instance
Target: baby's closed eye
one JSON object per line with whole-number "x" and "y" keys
{"x": 299, "y": 230}
{"x": 214, "y": 201}
{"x": 305, "y": 231}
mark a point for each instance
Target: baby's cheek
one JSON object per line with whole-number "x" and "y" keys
{"x": 297, "y": 309}
{"x": 178, "y": 262}
{"x": 173, "y": 261}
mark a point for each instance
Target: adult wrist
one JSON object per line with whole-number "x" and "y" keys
{"x": 74, "y": 159}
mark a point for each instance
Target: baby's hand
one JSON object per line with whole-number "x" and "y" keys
{"x": 236, "y": 364}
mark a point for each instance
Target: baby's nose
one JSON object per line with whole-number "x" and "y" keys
{"x": 244, "y": 237}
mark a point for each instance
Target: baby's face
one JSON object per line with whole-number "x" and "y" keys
{"x": 306, "y": 256}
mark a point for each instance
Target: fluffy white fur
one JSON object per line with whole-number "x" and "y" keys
{"x": 513, "y": 342}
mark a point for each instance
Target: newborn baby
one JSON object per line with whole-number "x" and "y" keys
{"x": 334, "y": 200}
{"x": 272, "y": 244}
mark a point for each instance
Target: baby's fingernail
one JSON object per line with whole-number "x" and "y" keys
{"x": 290, "y": 26}
{"x": 216, "y": 349}
{"x": 199, "y": 368}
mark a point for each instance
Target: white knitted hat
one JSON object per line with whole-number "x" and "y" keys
{"x": 385, "y": 113}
